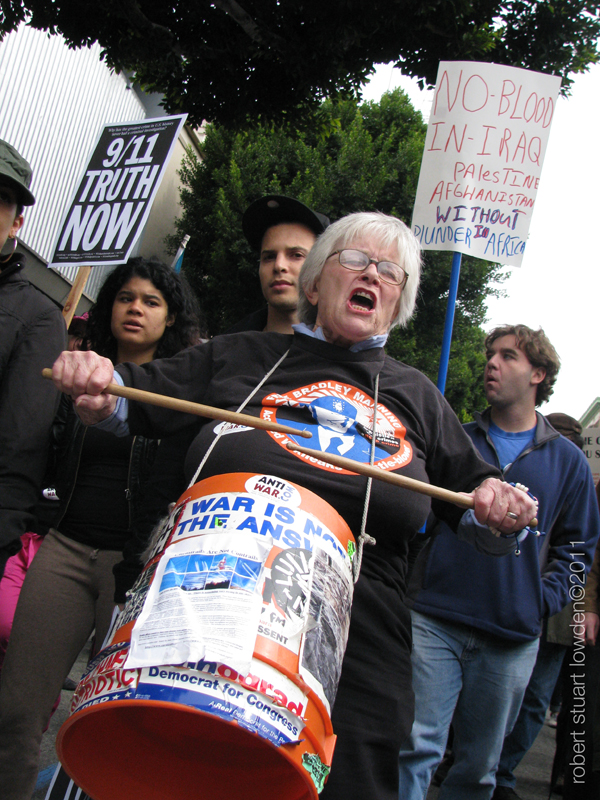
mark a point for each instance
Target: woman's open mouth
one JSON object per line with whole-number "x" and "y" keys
{"x": 362, "y": 300}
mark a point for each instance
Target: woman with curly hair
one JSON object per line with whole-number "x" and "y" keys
{"x": 144, "y": 311}
{"x": 177, "y": 319}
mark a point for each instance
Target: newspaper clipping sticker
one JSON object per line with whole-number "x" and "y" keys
{"x": 204, "y": 602}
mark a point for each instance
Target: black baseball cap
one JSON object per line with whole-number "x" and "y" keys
{"x": 275, "y": 209}
{"x": 16, "y": 173}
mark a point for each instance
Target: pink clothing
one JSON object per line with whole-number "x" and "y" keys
{"x": 10, "y": 585}
{"x": 10, "y": 588}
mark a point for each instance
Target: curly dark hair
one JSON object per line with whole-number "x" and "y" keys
{"x": 539, "y": 351}
{"x": 188, "y": 328}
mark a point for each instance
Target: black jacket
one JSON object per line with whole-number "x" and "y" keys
{"x": 32, "y": 334}
{"x": 68, "y": 438}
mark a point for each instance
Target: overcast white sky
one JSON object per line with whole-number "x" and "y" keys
{"x": 554, "y": 288}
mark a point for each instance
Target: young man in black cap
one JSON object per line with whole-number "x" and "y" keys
{"x": 283, "y": 230}
{"x": 32, "y": 334}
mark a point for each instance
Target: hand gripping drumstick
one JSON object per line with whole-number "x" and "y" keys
{"x": 194, "y": 408}
{"x": 256, "y": 422}
{"x": 391, "y": 477}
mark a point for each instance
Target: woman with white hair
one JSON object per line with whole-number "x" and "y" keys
{"x": 333, "y": 377}
{"x": 389, "y": 233}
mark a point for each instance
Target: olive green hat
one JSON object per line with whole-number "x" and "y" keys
{"x": 16, "y": 173}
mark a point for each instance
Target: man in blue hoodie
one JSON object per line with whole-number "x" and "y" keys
{"x": 477, "y": 619}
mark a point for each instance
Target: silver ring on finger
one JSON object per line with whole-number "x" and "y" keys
{"x": 512, "y": 515}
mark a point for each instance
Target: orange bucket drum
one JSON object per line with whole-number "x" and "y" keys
{"x": 219, "y": 675}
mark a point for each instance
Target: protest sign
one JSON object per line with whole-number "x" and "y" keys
{"x": 483, "y": 157}
{"x": 591, "y": 449}
{"x": 116, "y": 192}
{"x": 63, "y": 788}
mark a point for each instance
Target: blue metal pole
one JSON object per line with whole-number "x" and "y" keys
{"x": 178, "y": 260}
{"x": 447, "y": 340}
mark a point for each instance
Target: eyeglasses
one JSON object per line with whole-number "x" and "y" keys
{"x": 357, "y": 261}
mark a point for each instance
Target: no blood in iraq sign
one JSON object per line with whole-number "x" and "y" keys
{"x": 483, "y": 157}
{"x": 115, "y": 194}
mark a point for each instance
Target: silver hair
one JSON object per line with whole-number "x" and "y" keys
{"x": 388, "y": 232}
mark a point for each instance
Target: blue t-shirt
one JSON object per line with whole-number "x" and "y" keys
{"x": 510, "y": 444}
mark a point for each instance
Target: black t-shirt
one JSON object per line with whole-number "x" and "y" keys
{"x": 329, "y": 391}
{"x": 98, "y": 510}
{"x": 314, "y": 379}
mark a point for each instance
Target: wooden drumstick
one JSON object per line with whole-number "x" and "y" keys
{"x": 388, "y": 477}
{"x": 391, "y": 477}
{"x": 198, "y": 409}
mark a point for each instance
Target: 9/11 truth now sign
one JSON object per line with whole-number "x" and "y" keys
{"x": 115, "y": 194}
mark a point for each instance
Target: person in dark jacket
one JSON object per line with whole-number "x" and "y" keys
{"x": 548, "y": 663}
{"x": 144, "y": 310}
{"x": 477, "y": 621}
{"x": 576, "y": 766}
{"x": 32, "y": 334}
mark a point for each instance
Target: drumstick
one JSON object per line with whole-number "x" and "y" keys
{"x": 391, "y": 477}
{"x": 198, "y": 409}
{"x": 388, "y": 477}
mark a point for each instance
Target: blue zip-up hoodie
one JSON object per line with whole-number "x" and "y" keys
{"x": 509, "y": 596}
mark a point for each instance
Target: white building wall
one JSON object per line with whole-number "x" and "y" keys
{"x": 53, "y": 104}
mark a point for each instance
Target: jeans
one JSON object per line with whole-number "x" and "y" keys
{"x": 533, "y": 711}
{"x": 476, "y": 681}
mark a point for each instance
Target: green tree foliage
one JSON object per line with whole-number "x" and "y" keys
{"x": 353, "y": 158}
{"x": 228, "y": 59}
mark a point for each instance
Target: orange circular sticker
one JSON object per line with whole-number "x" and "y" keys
{"x": 340, "y": 419}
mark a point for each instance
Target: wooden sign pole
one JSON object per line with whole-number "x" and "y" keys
{"x": 75, "y": 294}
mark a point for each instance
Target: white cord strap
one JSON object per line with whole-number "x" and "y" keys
{"x": 363, "y": 536}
